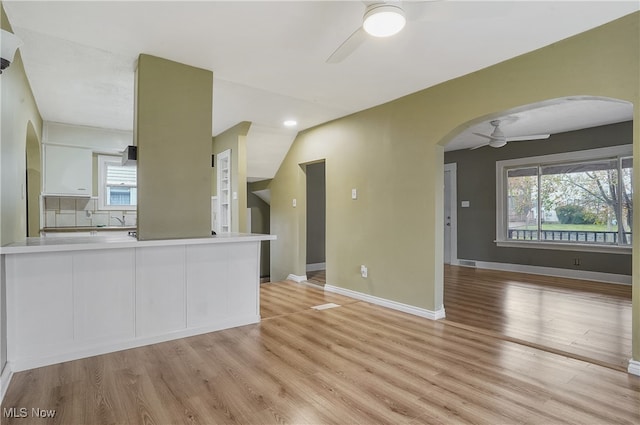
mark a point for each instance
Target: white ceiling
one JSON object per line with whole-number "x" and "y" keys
{"x": 549, "y": 117}
{"x": 268, "y": 58}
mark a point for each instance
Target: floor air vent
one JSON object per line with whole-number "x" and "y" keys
{"x": 467, "y": 263}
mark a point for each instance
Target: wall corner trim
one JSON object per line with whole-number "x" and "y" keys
{"x": 297, "y": 278}
{"x": 5, "y": 379}
{"x": 395, "y": 305}
{"x": 634, "y": 367}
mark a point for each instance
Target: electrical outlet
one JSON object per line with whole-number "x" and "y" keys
{"x": 576, "y": 261}
{"x": 364, "y": 272}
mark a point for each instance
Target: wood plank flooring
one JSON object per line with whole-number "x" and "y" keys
{"x": 582, "y": 319}
{"x": 353, "y": 364}
{"x": 318, "y": 277}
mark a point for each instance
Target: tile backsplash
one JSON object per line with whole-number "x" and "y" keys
{"x": 79, "y": 212}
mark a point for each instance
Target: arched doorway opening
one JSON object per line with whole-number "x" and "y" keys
{"x": 33, "y": 182}
{"x": 487, "y": 214}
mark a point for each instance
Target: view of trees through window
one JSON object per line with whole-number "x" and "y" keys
{"x": 586, "y": 202}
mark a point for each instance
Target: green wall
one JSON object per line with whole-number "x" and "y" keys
{"x": 393, "y": 154}
{"x": 21, "y": 121}
{"x": 235, "y": 139}
{"x": 260, "y": 222}
{"x": 173, "y": 116}
{"x": 19, "y": 112}
{"x": 476, "y": 181}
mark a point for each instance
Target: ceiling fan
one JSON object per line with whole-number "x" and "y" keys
{"x": 381, "y": 19}
{"x": 422, "y": 11}
{"x": 497, "y": 138}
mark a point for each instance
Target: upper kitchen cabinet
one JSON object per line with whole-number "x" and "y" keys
{"x": 67, "y": 170}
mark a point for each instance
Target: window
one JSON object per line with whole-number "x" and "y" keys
{"x": 578, "y": 200}
{"x": 117, "y": 184}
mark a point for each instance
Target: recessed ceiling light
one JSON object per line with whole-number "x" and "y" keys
{"x": 290, "y": 123}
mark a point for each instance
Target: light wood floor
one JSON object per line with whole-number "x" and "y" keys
{"x": 353, "y": 364}
{"x": 318, "y": 277}
{"x": 586, "y": 320}
{"x": 583, "y": 319}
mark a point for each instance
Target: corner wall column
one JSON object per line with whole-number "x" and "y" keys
{"x": 172, "y": 129}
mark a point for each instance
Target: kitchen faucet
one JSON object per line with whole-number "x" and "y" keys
{"x": 121, "y": 220}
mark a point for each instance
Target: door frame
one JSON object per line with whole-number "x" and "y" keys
{"x": 314, "y": 266}
{"x": 453, "y": 171}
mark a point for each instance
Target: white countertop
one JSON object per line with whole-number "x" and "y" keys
{"x": 81, "y": 243}
{"x": 88, "y": 229}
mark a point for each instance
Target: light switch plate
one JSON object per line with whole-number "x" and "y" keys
{"x": 354, "y": 193}
{"x": 294, "y": 202}
{"x": 235, "y": 195}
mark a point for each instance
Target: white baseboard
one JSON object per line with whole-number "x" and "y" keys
{"x": 620, "y": 279}
{"x": 406, "y": 308}
{"x": 18, "y": 365}
{"x": 297, "y": 278}
{"x": 316, "y": 266}
{"x": 312, "y": 285}
{"x": 634, "y": 367}
{"x": 5, "y": 379}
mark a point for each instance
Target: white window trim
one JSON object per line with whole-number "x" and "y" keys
{"x": 102, "y": 169}
{"x": 501, "y": 195}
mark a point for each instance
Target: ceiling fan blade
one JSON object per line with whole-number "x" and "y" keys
{"x": 486, "y": 136}
{"x": 480, "y": 146}
{"x": 525, "y": 138}
{"x": 348, "y": 46}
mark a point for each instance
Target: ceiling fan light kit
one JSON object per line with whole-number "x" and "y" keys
{"x": 384, "y": 20}
{"x": 379, "y": 20}
{"x": 497, "y": 143}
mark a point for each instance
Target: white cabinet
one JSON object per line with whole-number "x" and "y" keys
{"x": 224, "y": 192}
{"x": 103, "y": 295}
{"x": 44, "y": 301}
{"x": 67, "y": 170}
{"x": 81, "y": 302}
{"x": 160, "y": 292}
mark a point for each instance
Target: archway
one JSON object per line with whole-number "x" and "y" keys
{"x": 33, "y": 179}
{"x": 574, "y": 132}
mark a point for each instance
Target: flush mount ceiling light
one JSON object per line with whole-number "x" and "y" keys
{"x": 9, "y": 43}
{"x": 290, "y": 123}
{"x": 383, "y": 20}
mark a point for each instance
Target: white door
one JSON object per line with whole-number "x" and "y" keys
{"x": 450, "y": 248}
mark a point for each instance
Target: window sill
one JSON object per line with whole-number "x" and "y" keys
{"x": 607, "y": 249}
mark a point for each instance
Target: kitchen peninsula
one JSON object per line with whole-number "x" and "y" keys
{"x": 74, "y": 297}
